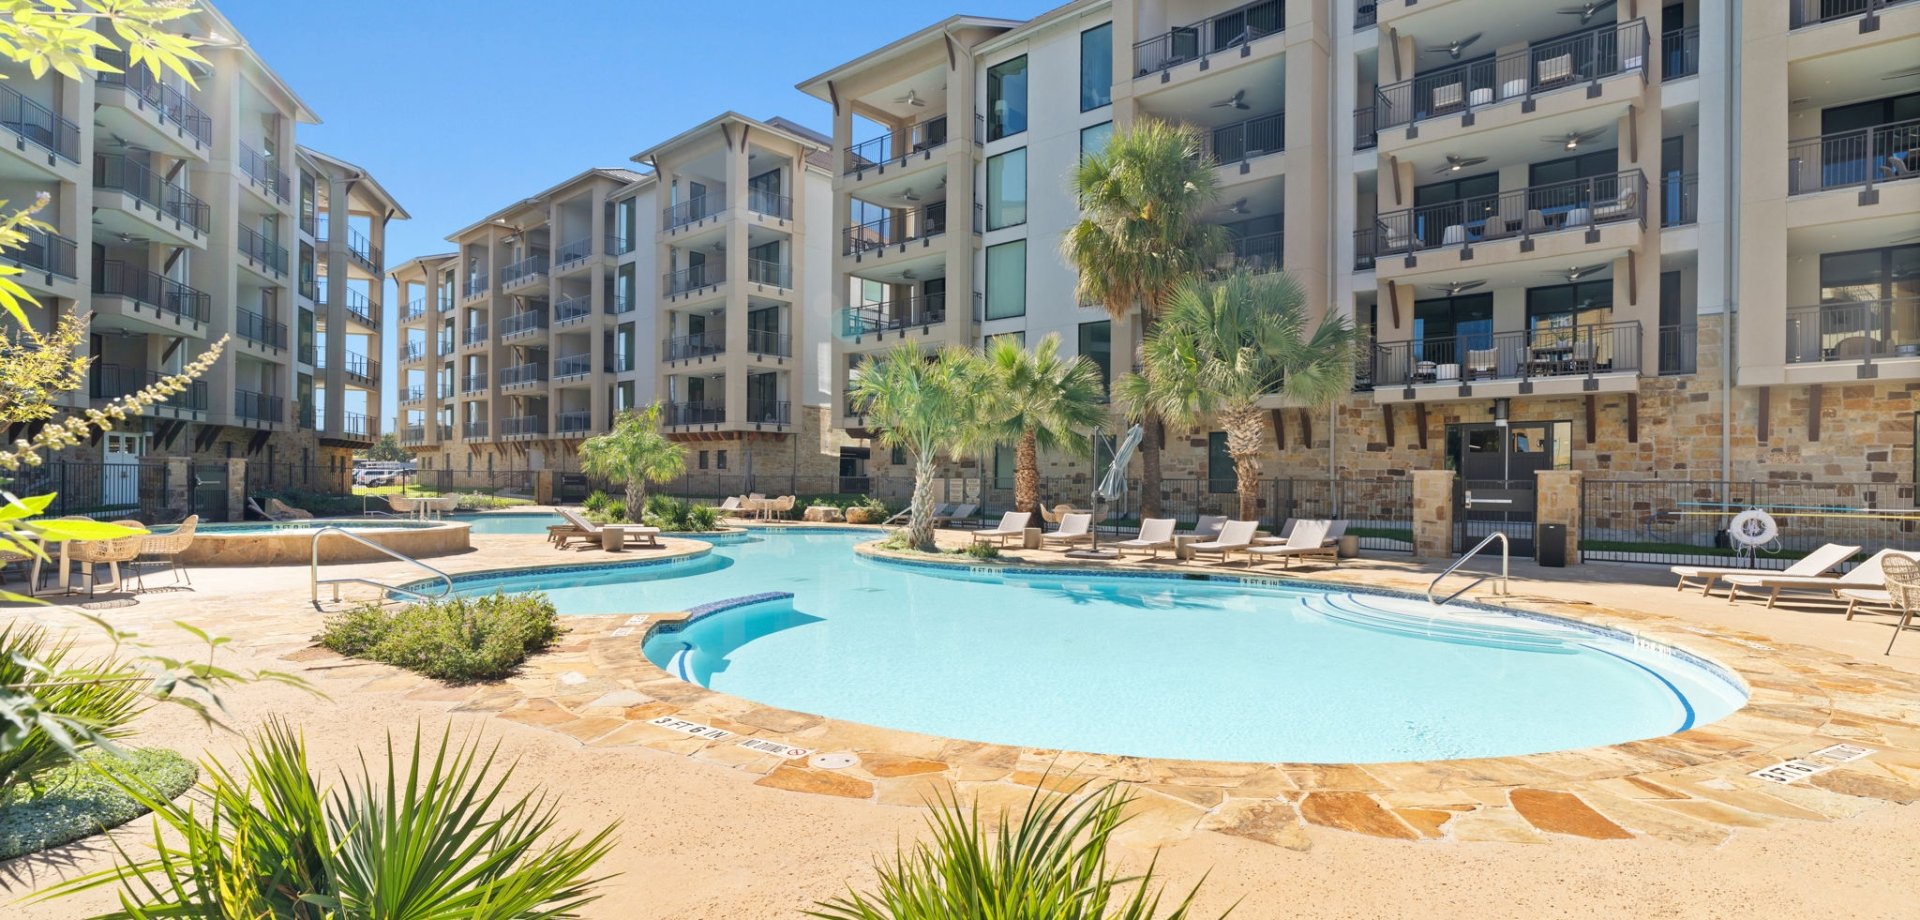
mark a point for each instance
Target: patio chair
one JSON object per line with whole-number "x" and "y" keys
{"x": 1012, "y": 524}
{"x": 1448, "y": 97}
{"x": 1536, "y": 222}
{"x": 1482, "y": 362}
{"x": 1550, "y": 72}
{"x": 1903, "y": 584}
{"x": 1235, "y": 537}
{"x": 281, "y": 511}
{"x": 1620, "y": 208}
{"x": 1395, "y": 239}
{"x": 165, "y": 549}
{"x": 731, "y": 507}
{"x": 953, "y": 513}
{"x": 1207, "y": 527}
{"x": 1073, "y": 530}
{"x": 1814, "y": 563}
{"x": 590, "y": 533}
{"x": 1309, "y": 539}
{"x": 404, "y": 505}
{"x": 1867, "y": 574}
{"x": 91, "y": 554}
{"x": 1155, "y": 535}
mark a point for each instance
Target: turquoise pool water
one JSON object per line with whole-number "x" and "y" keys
{"x": 509, "y": 522}
{"x": 1137, "y": 666}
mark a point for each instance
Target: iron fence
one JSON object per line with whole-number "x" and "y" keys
{"x": 1685, "y": 521}
{"x": 1211, "y": 35}
{"x": 279, "y": 476}
{"x": 514, "y": 482}
{"x": 104, "y": 491}
{"x": 1680, "y": 53}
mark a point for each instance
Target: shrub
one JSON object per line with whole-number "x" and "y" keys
{"x": 703, "y": 518}
{"x": 597, "y": 501}
{"x": 454, "y": 639}
{"x": 613, "y": 511}
{"x": 94, "y": 694}
{"x": 481, "y": 501}
{"x": 982, "y": 550}
{"x": 79, "y": 800}
{"x": 676, "y": 516}
{"x": 896, "y": 541}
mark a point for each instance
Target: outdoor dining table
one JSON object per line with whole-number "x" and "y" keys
{"x": 63, "y": 563}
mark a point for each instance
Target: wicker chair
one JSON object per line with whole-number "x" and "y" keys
{"x": 1902, "y": 574}
{"x": 164, "y": 549}
{"x": 93, "y": 553}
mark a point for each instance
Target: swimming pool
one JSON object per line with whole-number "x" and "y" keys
{"x": 509, "y": 522}
{"x": 1158, "y": 667}
{"x": 248, "y": 528}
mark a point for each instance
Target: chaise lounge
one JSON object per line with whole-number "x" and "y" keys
{"x": 1155, "y": 535}
{"x": 1308, "y": 539}
{"x": 1012, "y": 524}
{"x": 1235, "y": 537}
{"x": 592, "y": 534}
{"x": 1865, "y": 575}
{"x": 1074, "y": 529}
{"x": 1808, "y": 566}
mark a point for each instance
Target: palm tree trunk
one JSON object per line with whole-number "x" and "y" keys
{"x": 636, "y": 500}
{"x": 1246, "y": 428}
{"x": 1150, "y": 466}
{"x": 1026, "y": 473}
{"x": 920, "y": 522}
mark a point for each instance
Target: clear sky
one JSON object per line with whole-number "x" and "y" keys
{"x": 459, "y": 107}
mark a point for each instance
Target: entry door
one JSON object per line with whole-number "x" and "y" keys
{"x": 120, "y": 468}
{"x": 1494, "y": 490}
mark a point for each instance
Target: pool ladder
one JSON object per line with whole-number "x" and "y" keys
{"x": 1477, "y": 547}
{"x": 313, "y": 570}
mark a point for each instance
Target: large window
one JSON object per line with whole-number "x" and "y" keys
{"x": 1003, "y": 464}
{"x": 1007, "y": 189}
{"x": 1562, "y": 306}
{"x": 1220, "y": 473}
{"x": 1007, "y": 280}
{"x": 1094, "y": 138}
{"x": 1096, "y": 345}
{"x": 1007, "y": 98}
{"x": 1469, "y": 317}
{"x": 1096, "y": 67}
{"x": 1581, "y": 166}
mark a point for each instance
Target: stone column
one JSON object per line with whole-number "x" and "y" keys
{"x": 1557, "y": 501}
{"x": 1432, "y": 514}
{"x": 179, "y": 486}
{"x": 543, "y": 487}
{"x": 236, "y": 490}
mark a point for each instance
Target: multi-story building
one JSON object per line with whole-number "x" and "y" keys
{"x": 184, "y": 213}
{"x": 1658, "y": 240}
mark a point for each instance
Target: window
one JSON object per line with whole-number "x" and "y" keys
{"x": 719, "y": 459}
{"x": 1096, "y": 67}
{"x": 1007, "y": 98}
{"x": 1094, "y": 138}
{"x": 1007, "y": 280}
{"x": 1096, "y": 345}
{"x": 1220, "y": 475}
{"x": 898, "y": 457}
{"x": 703, "y": 460}
{"x": 1017, "y": 338}
{"x": 1562, "y": 306}
{"x": 624, "y": 228}
{"x": 1007, "y": 189}
{"x": 1437, "y": 320}
{"x": 1003, "y": 464}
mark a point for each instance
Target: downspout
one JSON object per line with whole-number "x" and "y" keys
{"x": 1731, "y": 283}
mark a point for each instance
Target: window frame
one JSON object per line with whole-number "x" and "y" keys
{"x": 987, "y": 310}
{"x": 1104, "y": 90}
{"x": 1216, "y": 451}
{"x": 996, "y": 87}
{"x": 994, "y": 201}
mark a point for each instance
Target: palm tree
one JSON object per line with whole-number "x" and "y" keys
{"x": 1223, "y": 346}
{"x": 1041, "y": 400}
{"x": 634, "y": 453}
{"x": 1141, "y": 235}
{"x": 924, "y": 404}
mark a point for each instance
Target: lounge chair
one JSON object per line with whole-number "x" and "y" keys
{"x": 1155, "y": 535}
{"x": 1235, "y": 537}
{"x": 947, "y": 514}
{"x": 1814, "y": 563}
{"x": 1903, "y": 586}
{"x": 590, "y": 533}
{"x": 165, "y": 549}
{"x": 1012, "y": 524}
{"x": 1865, "y": 575}
{"x": 281, "y": 511}
{"x": 1208, "y": 526}
{"x": 1309, "y": 538}
{"x": 731, "y": 506}
{"x": 1073, "y": 530}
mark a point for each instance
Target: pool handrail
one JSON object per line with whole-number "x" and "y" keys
{"x": 313, "y": 570}
{"x": 1477, "y": 547}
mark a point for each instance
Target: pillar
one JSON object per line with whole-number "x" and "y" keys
{"x": 1432, "y": 514}
{"x": 1557, "y": 501}
{"x": 179, "y": 487}
{"x": 236, "y": 490}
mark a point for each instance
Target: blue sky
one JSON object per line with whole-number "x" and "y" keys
{"x": 460, "y": 106}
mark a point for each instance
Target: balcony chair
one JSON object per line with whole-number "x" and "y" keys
{"x": 1620, "y": 208}
{"x": 1896, "y": 167}
{"x": 1550, "y": 72}
{"x": 1514, "y": 87}
{"x": 1536, "y": 222}
{"x": 1395, "y": 240}
{"x": 1455, "y": 235}
{"x": 1447, "y": 98}
{"x": 1482, "y": 362}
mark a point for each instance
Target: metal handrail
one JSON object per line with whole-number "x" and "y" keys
{"x": 313, "y": 570}
{"x": 1477, "y": 547}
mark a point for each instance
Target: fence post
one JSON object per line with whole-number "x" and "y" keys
{"x": 1432, "y": 514}
{"x": 179, "y": 487}
{"x": 543, "y": 492}
{"x": 1556, "y": 500}
{"x": 236, "y": 489}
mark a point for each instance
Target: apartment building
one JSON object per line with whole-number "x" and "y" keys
{"x": 185, "y": 213}
{"x": 692, "y": 282}
{"x": 1654, "y": 240}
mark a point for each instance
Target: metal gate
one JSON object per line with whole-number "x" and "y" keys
{"x": 210, "y": 491}
{"x": 570, "y": 488}
{"x": 1482, "y": 506}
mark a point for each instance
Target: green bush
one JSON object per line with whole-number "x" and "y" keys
{"x": 613, "y": 511}
{"x": 79, "y": 800}
{"x": 675, "y": 516}
{"x": 104, "y": 705}
{"x": 481, "y": 501}
{"x": 597, "y": 501}
{"x": 455, "y": 639}
{"x": 980, "y": 550}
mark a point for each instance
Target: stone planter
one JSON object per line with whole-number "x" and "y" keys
{"x": 824, "y": 514}
{"x": 865, "y": 516}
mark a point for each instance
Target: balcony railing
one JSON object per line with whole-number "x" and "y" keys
{"x": 117, "y": 173}
{"x": 445, "y": 432}
{"x": 1518, "y": 213}
{"x": 1541, "y": 352}
{"x": 1587, "y": 57}
{"x": 1259, "y": 253}
{"x": 761, "y": 271}
{"x": 261, "y": 407}
{"x": 412, "y": 351}
{"x": 523, "y": 426}
{"x": 356, "y": 365}
{"x": 521, "y": 323}
{"x": 49, "y": 253}
{"x": 618, "y": 245}
{"x": 1861, "y": 157}
{"x": 413, "y": 393}
{"x": 473, "y": 383}
{"x": 446, "y": 344}
{"x": 697, "y": 208}
{"x": 768, "y": 412}
{"x": 39, "y": 125}
{"x": 1365, "y": 243}
{"x": 361, "y": 308}
{"x": 1679, "y": 201}
{"x": 1679, "y": 349}
{"x": 769, "y": 342}
{"x": 260, "y": 169}
{"x": 695, "y": 278}
{"x": 112, "y": 381}
{"x": 528, "y": 267}
{"x": 172, "y": 103}
{"x": 1854, "y": 331}
{"x": 573, "y": 365}
{"x": 883, "y": 150}
{"x": 574, "y": 422}
{"x": 1365, "y": 135}
{"x": 575, "y": 251}
{"x": 413, "y": 434}
{"x": 415, "y": 309}
{"x": 1680, "y": 53}
{"x": 522, "y": 373}
{"x": 1209, "y": 36}
{"x": 896, "y": 227}
{"x": 119, "y": 279}
{"x": 1244, "y": 140}
{"x": 263, "y": 250}
{"x": 474, "y": 287}
{"x": 709, "y": 412}
{"x": 1365, "y": 13}
{"x": 919, "y": 312}
{"x": 475, "y": 428}
{"x": 696, "y": 345}
{"x": 761, "y": 201}
{"x": 358, "y": 425}
{"x": 476, "y": 334}
{"x": 572, "y": 308}
{"x": 622, "y": 303}
{"x": 1814, "y": 12}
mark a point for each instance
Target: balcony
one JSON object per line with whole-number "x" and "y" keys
{"x": 168, "y": 203}
{"x": 476, "y": 335}
{"x": 1259, "y": 253}
{"x": 475, "y": 429}
{"x": 764, "y": 412}
{"x": 1244, "y": 140}
{"x": 1854, "y": 331}
{"x": 1365, "y": 135}
{"x": 44, "y": 253}
{"x": 526, "y": 271}
{"x": 475, "y": 287}
{"x": 705, "y": 412}
{"x": 688, "y": 280}
{"x": 1679, "y": 349}
{"x": 152, "y": 289}
{"x": 1518, "y": 77}
{"x": 1680, "y": 53}
{"x": 415, "y": 309}
{"x": 574, "y": 423}
{"x": 263, "y": 175}
{"x": 522, "y": 375}
{"x": 572, "y": 309}
{"x": 264, "y": 252}
{"x": 920, "y": 312}
{"x": 1861, "y": 158}
{"x": 360, "y": 308}
{"x": 1806, "y": 13}
{"x": 1679, "y": 201}
{"x": 446, "y": 344}
{"x": 576, "y": 251}
{"x": 1365, "y": 248}
{"x": 523, "y": 426}
{"x": 413, "y": 434}
{"x": 769, "y": 342}
{"x": 413, "y": 394}
{"x": 473, "y": 383}
{"x": 520, "y": 324}
{"x": 114, "y": 381}
{"x": 190, "y": 125}
{"x": 572, "y": 366}
{"x": 38, "y": 125}
{"x": 413, "y": 352}
{"x": 1234, "y": 28}
{"x": 359, "y": 426}
{"x": 1523, "y": 214}
{"x": 261, "y": 330}
{"x": 259, "y": 407}
{"x": 896, "y": 229}
{"x": 696, "y": 345}
{"x": 1555, "y": 358}
{"x": 1365, "y": 13}
{"x": 768, "y": 204}
{"x": 692, "y": 210}
{"x": 446, "y": 432}
{"x": 357, "y": 367}
{"x": 772, "y": 274}
{"x": 877, "y": 153}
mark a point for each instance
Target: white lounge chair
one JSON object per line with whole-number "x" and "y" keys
{"x": 1865, "y": 575}
{"x": 1012, "y": 524}
{"x": 1814, "y": 563}
{"x": 1208, "y": 526}
{"x": 1073, "y": 530}
{"x": 1155, "y": 535}
{"x": 1309, "y": 538}
{"x": 948, "y": 514}
{"x": 731, "y": 507}
{"x": 1235, "y": 537}
{"x": 590, "y": 533}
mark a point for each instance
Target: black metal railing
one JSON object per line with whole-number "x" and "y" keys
{"x": 761, "y": 201}
{"x": 1244, "y": 140}
{"x": 445, "y": 432}
{"x": 1853, "y": 331}
{"x": 1365, "y": 135}
{"x": 761, "y": 271}
{"x": 706, "y": 412}
{"x": 1864, "y": 156}
{"x": 696, "y": 345}
{"x": 476, "y": 334}
{"x": 1558, "y": 63}
{"x": 413, "y": 434}
{"x": 1679, "y": 349}
{"x": 45, "y": 252}
{"x": 904, "y": 226}
{"x": 769, "y": 342}
{"x": 120, "y": 279}
{"x": 576, "y": 250}
{"x": 361, "y": 308}
{"x": 574, "y": 422}
{"x": 1814, "y": 12}
{"x": 1364, "y": 241}
{"x": 695, "y": 278}
{"x": 113, "y": 381}
{"x": 172, "y": 103}
{"x": 1678, "y": 521}
{"x": 888, "y": 315}
{"x": 264, "y": 174}
{"x": 261, "y": 249}
{"x": 522, "y": 322}
{"x": 1365, "y": 13}
{"x": 259, "y": 328}
{"x": 118, "y": 173}
{"x": 1521, "y": 213}
{"x": 360, "y": 367}
{"x": 39, "y": 125}
{"x": 523, "y": 426}
{"x": 446, "y": 344}
{"x": 526, "y": 268}
{"x": 879, "y": 151}
{"x": 413, "y": 351}
{"x": 359, "y": 425}
{"x": 699, "y": 207}
{"x": 522, "y": 374}
{"x": 473, "y": 383}
{"x": 1259, "y": 253}
{"x": 1211, "y": 35}
{"x": 1543, "y": 351}
{"x": 568, "y": 309}
{"x": 475, "y": 428}
{"x": 1680, "y": 53}
{"x": 261, "y": 407}
{"x": 1679, "y": 201}
{"x": 573, "y": 365}
{"x": 768, "y": 412}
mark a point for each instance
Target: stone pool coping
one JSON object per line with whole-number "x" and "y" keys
{"x": 294, "y": 546}
{"x": 1693, "y": 787}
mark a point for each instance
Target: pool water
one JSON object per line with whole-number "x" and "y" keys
{"x": 1154, "y": 667}
{"x": 242, "y": 528}
{"x": 509, "y": 522}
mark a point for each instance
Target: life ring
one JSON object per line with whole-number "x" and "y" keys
{"x": 1753, "y": 528}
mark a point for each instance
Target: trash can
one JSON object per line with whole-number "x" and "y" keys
{"x": 1550, "y": 545}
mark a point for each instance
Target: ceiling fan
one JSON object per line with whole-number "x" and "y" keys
{"x": 1902, "y": 74}
{"x": 1236, "y": 101}
{"x": 1457, "y": 288}
{"x": 1456, "y": 163}
{"x": 1586, "y": 11}
{"x": 912, "y": 98}
{"x": 1573, "y": 139}
{"x": 1575, "y": 273}
{"x": 1452, "y": 49}
{"x": 1238, "y": 207}
{"x": 909, "y": 275}
{"x": 909, "y": 194}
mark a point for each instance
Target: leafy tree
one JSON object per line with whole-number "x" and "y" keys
{"x": 925, "y": 404}
{"x": 1142, "y": 234}
{"x": 387, "y": 448}
{"x": 633, "y": 454}
{"x": 1041, "y": 400}
{"x": 1223, "y": 347}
